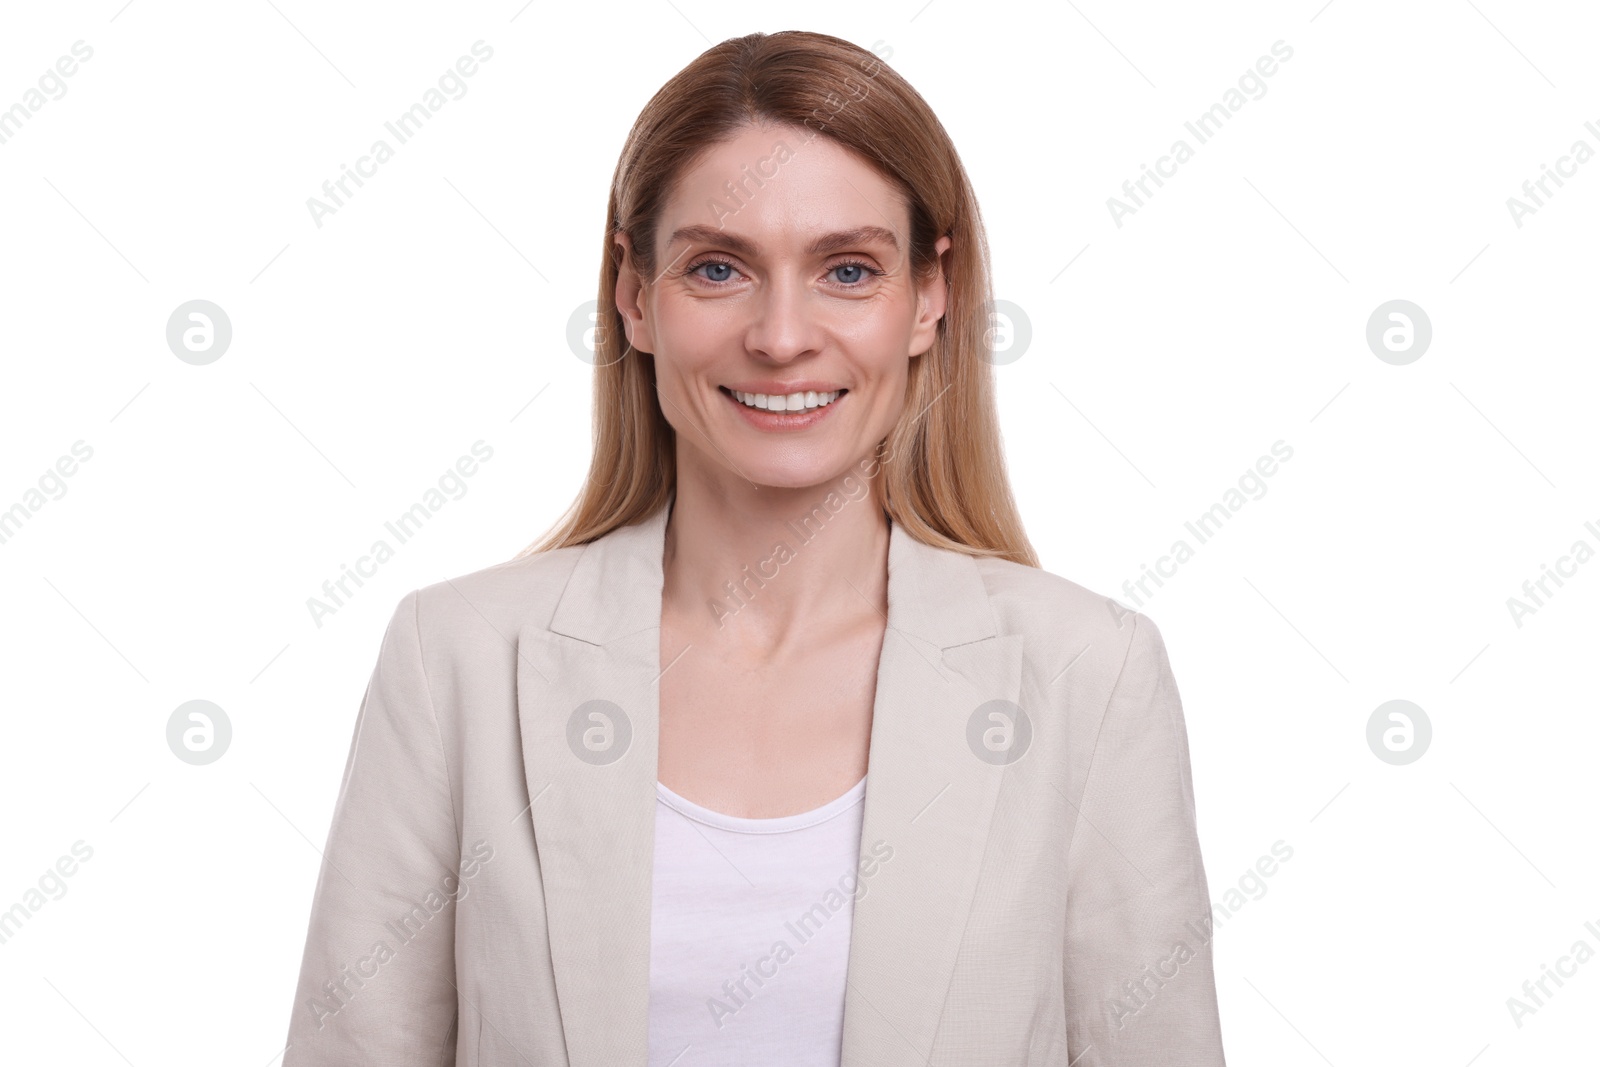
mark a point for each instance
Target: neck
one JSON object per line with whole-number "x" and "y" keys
{"x": 768, "y": 567}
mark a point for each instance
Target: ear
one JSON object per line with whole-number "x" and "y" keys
{"x": 931, "y": 297}
{"x": 630, "y": 298}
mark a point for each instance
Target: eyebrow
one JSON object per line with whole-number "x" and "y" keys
{"x": 828, "y": 242}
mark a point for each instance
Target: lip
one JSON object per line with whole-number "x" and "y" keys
{"x": 771, "y": 422}
{"x": 773, "y": 387}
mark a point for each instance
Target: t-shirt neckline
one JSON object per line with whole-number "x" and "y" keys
{"x": 780, "y": 824}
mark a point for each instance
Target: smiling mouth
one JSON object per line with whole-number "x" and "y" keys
{"x": 790, "y": 404}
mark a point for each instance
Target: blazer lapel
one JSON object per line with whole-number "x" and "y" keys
{"x": 588, "y": 703}
{"x": 929, "y": 798}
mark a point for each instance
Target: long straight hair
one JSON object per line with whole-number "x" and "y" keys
{"x": 942, "y": 473}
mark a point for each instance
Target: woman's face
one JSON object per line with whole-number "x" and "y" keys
{"x": 783, "y": 268}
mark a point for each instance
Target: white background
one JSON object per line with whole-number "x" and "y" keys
{"x": 1227, "y": 314}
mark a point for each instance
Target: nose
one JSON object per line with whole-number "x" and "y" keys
{"x": 785, "y": 321}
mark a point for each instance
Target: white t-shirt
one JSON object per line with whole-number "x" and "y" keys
{"x": 750, "y": 934}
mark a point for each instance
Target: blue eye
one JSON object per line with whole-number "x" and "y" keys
{"x": 861, "y": 270}
{"x": 715, "y": 263}
{"x": 857, "y": 269}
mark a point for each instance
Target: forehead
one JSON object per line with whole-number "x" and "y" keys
{"x": 780, "y": 188}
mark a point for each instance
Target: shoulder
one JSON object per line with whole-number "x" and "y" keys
{"x": 498, "y": 599}
{"x": 1060, "y": 619}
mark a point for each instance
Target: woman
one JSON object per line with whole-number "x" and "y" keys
{"x": 782, "y": 749}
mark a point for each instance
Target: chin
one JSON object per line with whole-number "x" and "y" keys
{"x": 790, "y": 477}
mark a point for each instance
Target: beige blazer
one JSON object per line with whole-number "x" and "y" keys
{"x": 1030, "y": 893}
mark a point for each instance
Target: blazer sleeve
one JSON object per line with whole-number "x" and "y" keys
{"x": 377, "y": 976}
{"x": 1138, "y": 977}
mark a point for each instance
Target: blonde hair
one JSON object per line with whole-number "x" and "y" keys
{"x": 943, "y": 473}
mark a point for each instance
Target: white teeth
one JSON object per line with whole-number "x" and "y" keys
{"x": 789, "y": 402}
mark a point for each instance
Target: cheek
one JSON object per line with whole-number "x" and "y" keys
{"x": 884, "y": 321}
{"x": 878, "y": 342}
{"x": 690, "y": 326}
{"x": 682, "y": 332}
